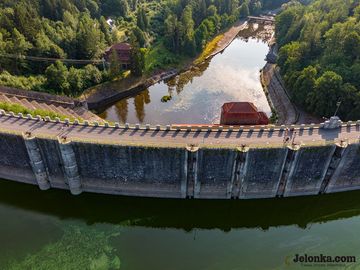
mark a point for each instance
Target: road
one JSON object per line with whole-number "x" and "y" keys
{"x": 180, "y": 137}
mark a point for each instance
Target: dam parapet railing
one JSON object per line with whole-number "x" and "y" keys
{"x": 186, "y": 127}
{"x": 187, "y": 166}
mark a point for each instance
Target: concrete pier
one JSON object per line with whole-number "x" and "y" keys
{"x": 215, "y": 172}
{"x": 184, "y": 179}
{"x": 334, "y": 163}
{"x": 71, "y": 171}
{"x": 308, "y": 170}
{"x": 263, "y": 171}
{"x": 238, "y": 173}
{"x": 291, "y": 157}
{"x": 193, "y": 185}
{"x": 346, "y": 176}
{"x": 36, "y": 161}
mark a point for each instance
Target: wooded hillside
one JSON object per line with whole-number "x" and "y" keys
{"x": 170, "y": 30}
{"x": 320, "y": 55}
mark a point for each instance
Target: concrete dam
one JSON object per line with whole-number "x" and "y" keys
{"x": 207, "y": 162}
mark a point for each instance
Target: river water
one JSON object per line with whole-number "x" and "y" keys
{"x": 198, "y": 94}
{"x": 55, "y": 230}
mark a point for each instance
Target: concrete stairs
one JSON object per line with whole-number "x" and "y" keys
{"x": 62, "y": 109}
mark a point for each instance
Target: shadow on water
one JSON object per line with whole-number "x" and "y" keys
{"x": 182, "y": 214}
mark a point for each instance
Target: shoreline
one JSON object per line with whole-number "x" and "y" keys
{"x": 99, "y": 99}
{"x": 228, "y": 38}
{"x": 277, "y": 95}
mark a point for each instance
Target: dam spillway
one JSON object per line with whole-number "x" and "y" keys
{"x": 205, "y": 162}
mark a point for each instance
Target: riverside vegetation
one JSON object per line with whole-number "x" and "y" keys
{"x": 162, "y": 33}
{"x": 319, "y": 55}
{"x": 17, "y": 108}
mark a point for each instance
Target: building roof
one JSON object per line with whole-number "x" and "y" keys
{"x": 242, "y": 113}
{"x": 239, "y": 107}
{"x": 123, "y": 46}
{"x": 122, "y": 49}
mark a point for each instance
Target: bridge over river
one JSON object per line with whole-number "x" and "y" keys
{"x": 180, "y": 161}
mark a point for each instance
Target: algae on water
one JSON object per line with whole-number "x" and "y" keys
{"x": 80, "y": 247}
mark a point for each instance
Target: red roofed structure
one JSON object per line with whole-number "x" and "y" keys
{"x": 123, "y": 51}
{"x": 242, "y": 113}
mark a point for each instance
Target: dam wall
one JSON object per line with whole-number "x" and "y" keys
{"x": 179, "y": 172}
{"x": 14, "y": 159}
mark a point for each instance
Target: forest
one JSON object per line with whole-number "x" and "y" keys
{"x": 319, "y": 56}
{"x": 161, "y": 32}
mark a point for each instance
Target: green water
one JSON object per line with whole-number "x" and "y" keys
{"x": 54, "y": 230}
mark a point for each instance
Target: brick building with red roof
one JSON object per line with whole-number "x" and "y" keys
{"x": 123, "y": 51}
{"x": 242, "y": 113}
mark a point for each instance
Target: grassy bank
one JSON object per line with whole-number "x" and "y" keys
{"x": 16, "y": 108}
{"x": 210, "y": 47}
{"x": 160, "y": 58}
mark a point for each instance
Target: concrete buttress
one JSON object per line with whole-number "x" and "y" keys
{"x": 70, "y": 167}
{"x": 37, "y": 162}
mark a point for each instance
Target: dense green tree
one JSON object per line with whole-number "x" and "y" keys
{"x": 292, "y": 56}
{"x": 244, "y": 10}
{"x": 115, "y": 7}
{"x": 188, "y": 38}
{"x": 46, "y": 47}
{"x": 142, "y": 19}
{"x": 326, "y": 94}
{"x": 115, "y": 65}
{"x": 92, "y": 76}
{"x": 89, "y": 38}
{"x": 304, "y": 84}
{"x": 18, "y": 45}
{"x": 325, "y": 34}
{"x": 211, "y": 11}
{"x": 105, "y": 29}
{"x": 78, "y": 29}
{"x": 137, "y": 57}
{"x": 172, "y": 32}
{"x": 201, "y": 36}
{"x": 140, "y": 37}
{"x": 75, "y": 80}
{"x": 352, "y": 45}
{"x": 26, "y": 19}
{"x": 57, "y": 77}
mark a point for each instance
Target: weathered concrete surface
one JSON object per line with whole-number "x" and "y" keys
{"x": 308, "y": 170}
{"x": 71, "y": 170}
{"x": 52, "y": 159}
{"x": 346, "y": 176}
{"x": 202, "y": 163}
{"x": 263, "y": 170}
{"x": 14, "y": 160}
{"x": 127, "y": 170}
{"x": 37, "y": 162}
{"x": 215, "y": 171}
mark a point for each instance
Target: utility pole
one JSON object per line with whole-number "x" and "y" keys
{"x": 103, "y": 62}
{"x": 337, "y": 108}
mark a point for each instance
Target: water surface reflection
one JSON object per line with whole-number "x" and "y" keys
{"x": 198, "y": 94}
{"x": 42, "y": 230}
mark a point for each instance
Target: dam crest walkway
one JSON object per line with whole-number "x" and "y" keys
{"x": 180, "y": 135}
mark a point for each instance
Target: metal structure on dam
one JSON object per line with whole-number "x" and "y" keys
{"x": 212, "y": 162}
